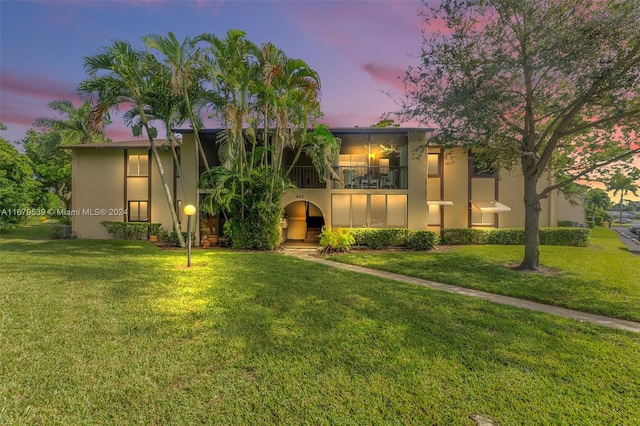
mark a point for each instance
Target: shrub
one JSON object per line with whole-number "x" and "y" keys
{"x": 505, "y": 236}
{"x": 421, "y": 240}
{"x": 259, "y": 230}
{"x": 335, "y": 240}
{"x": 578, "y": 237}
{"x": 170, "y": 238}
{"x": 131, "y": 230}
{"x": 379, "y": 238}
{"x": 464, "y": 236}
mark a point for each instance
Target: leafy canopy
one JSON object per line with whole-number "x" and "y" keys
{"x": 549, "y": 86}
{"x": 552, "y": 82}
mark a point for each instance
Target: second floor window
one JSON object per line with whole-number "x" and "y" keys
{"x": 138, "y": 165}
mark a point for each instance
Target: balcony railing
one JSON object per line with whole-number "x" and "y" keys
{"x": 354, "y": 177}
{"x": 371, "y": 177}
{"x": 306, "y": 177}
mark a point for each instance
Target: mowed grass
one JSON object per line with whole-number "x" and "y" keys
{"x": 603, "y": 278}
{"x": 119, "y": 332}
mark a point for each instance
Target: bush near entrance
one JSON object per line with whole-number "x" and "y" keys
{"x": 383, "y": 238}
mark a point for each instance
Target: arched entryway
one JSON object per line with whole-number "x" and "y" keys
{"x": 303, "y": 222}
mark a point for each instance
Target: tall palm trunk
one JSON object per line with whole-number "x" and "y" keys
{"x": 167, "y": 192}
{"x": 196, "y": 133}
{"x": 176, "y": 162}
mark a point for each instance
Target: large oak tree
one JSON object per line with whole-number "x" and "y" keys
{"x": 546, "y": 86}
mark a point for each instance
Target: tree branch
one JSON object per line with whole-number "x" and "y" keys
{"x": 587, "y": 171}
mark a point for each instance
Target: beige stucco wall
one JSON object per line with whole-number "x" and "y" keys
{"x": 189, "y": 163}
{"x": 417, "y": 190}
{"x": 321, "y": 198}
{"x": 456, "y": 188}
{"x": 99, "y": 187}
{"x": 98, "y": 182}
{"x": 570, "y": 212}
{"x": 160, "y": 212}
{"x": 511, "y": 193}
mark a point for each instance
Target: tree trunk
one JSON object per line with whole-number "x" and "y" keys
{"x": 167, "y": 192}
{"x": 196, "y": 134}
{"x": 176, "y": 162}
{"x": 531, "y": 259}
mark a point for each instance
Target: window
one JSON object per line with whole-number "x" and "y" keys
{"x": 433, "y": 164}
{"x": 484, "y": 213}
{"x": 369, "y": 210}
{"x": 138, "y": 165}
{"x": 435, "y": 211}
{"x": 396, "y": 211}
{"x": 434, "y": 214}
{"x": 138, "y": 211}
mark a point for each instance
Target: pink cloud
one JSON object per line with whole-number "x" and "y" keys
{"x": 364, "y": 25}
{"x": 40, "y": 87}
{"x": 386, "y": 74}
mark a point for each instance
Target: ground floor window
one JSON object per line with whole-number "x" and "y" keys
{"x": 434, "y": 215}
{"x": 369, "y": 210}
{"x": 138, "y": 211}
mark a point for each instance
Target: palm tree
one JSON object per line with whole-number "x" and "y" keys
{"x": 78, "y": 126}
{"x": 596, "y": 198}
{"x": 183, "y": 58}
{"x": 266, "y": 101}
{"x": 168, "y": 107}
{"x": 232, "y": 73}
{"x": 121, "y": 74}
{"x": 623, "y": 183}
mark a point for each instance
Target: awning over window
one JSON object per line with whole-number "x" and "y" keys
{"x": 439, "y": 203}
{"x": 490, "y": 206}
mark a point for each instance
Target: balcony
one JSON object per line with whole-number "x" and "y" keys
{"x": 372, "y": 177}
{"x": 306, "y": 177}
{"x": 354, "y": 177}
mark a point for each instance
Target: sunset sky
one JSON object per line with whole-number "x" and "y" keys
{"x": 361, "y": 49}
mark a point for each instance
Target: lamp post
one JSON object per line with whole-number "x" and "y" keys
{"x": 189, "y": 211}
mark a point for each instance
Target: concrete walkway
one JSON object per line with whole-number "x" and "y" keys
{"x": 309, "y": 255}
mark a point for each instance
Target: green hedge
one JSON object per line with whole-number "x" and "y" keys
{"x": 421, "y": 240}
{"x": 131, "y": 230}
{"x": 578, "y": 237}
{"x": 464, "y": 236}
{"x": 383, "y": 238}
{"x": 378, "y": 238}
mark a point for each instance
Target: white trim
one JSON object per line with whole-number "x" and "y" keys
{"x": 491, "y": 206}
{"x": 440, "y": 203}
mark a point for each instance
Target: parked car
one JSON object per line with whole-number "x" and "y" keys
{"x": 635, "y": 229}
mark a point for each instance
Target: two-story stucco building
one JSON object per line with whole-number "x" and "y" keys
{"x": 387, "y": 181}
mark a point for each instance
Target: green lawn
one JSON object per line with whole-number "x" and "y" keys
{"x": 603, "y": 278}
{"x": 119, "y": 332}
